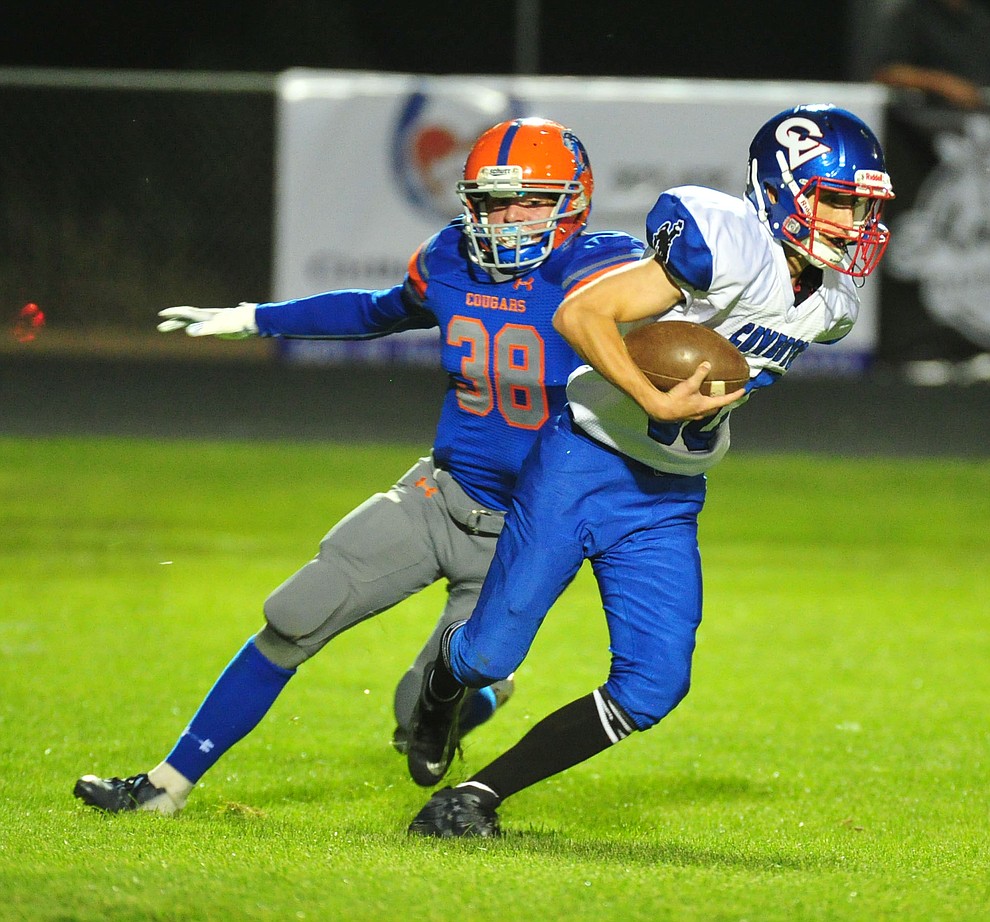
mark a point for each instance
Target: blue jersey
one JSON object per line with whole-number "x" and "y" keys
{"x": 507, "y": 367}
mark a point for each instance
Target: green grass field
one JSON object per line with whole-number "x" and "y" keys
{"x": 830, "y": 763}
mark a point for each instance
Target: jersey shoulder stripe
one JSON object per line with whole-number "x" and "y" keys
{"x": 441, "y": 252}
{"x": 593, "y": 254}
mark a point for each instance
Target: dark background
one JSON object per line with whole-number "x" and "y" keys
{"x": 773, "y": 39}
{"x": 141, "y": 189}
{"x": 50, "y": 392}
{"x": 233, "y": 399}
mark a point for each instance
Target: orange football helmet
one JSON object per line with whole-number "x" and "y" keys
{"x": 516, "y": 159}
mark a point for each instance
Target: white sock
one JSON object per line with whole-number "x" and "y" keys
{"x": 478, "y": 786}
{"x": 176, "y": 786}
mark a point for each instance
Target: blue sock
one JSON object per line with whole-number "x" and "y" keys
{"x": 477, "y": 709}
{"x": 242, "y": 695}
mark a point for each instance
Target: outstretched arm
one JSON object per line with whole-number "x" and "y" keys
{"x": 343, "y": 314}
{"x": 346, "y": 313}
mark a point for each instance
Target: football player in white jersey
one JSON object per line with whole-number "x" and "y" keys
{"x": 619, "y": 477}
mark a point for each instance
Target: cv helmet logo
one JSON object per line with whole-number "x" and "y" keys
{"x": 800, "y": 137}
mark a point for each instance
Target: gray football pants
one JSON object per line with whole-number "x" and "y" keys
{"x": 390, "y": 547}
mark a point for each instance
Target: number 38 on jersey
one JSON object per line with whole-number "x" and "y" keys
{"x": 503, "y": 372}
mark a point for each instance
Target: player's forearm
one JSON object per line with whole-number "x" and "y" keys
{"x": 348, "y": 312}
{"x": 595, "y": 337}
{"x": 589, "y": 320}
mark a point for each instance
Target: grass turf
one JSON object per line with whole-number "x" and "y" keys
{"x": 830, "y": 762}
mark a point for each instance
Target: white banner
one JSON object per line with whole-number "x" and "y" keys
{"x": 366, "y": 166}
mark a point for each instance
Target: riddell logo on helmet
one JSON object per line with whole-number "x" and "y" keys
{"x": 872, "y": 181}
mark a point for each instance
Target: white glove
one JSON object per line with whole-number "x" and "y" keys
{"x": 225, "y": 322}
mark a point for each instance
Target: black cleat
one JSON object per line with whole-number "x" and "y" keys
{"x": 433, "y": 737}
{"x": 115, "y": 795}
{"x": 502, "y": 690}
{"x": 456, "y": 813}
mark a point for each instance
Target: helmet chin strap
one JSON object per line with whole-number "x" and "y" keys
{"x": 786, "y": 174}
{"x": 762, "y": 208}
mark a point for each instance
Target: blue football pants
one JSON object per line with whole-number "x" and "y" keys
{"x": 576, "y": 500}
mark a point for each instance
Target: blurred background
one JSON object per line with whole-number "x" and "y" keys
{"x": 142, "y": 165}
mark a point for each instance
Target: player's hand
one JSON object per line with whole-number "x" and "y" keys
{"x": 225, "y": 322}
{"x": 684, "y": 401}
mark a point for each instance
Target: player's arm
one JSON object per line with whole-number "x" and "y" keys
{"x": 349, "y": 313}
{"x": 589, "y": 320}
{"x": 343, "y": 314}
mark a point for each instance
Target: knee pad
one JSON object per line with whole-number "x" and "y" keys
{"x": 304, "y": 602}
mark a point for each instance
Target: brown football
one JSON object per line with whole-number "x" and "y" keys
{"x": 669, "y": 351}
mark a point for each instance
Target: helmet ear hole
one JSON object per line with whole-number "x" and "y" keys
{"x": 770, "y": 191}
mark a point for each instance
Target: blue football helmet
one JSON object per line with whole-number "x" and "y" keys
{"x": 818, "y": 180}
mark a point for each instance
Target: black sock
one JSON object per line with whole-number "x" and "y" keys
{"x": 442, "y": 686}
{"x": 570, "y": 735}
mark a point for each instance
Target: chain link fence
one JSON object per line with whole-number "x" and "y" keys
{"x": 126, "y": 192}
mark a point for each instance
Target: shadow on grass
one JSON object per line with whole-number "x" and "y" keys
{"x": 623, "y": 852}
{"x": 635, "y": 840}
{"x": 676, "y": 854}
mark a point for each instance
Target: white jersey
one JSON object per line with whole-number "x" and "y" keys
{"x": 735, "y": 280}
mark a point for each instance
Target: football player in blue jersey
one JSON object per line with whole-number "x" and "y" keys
{"x": 491, "y": 281}
{"x": 619, "y": 477}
